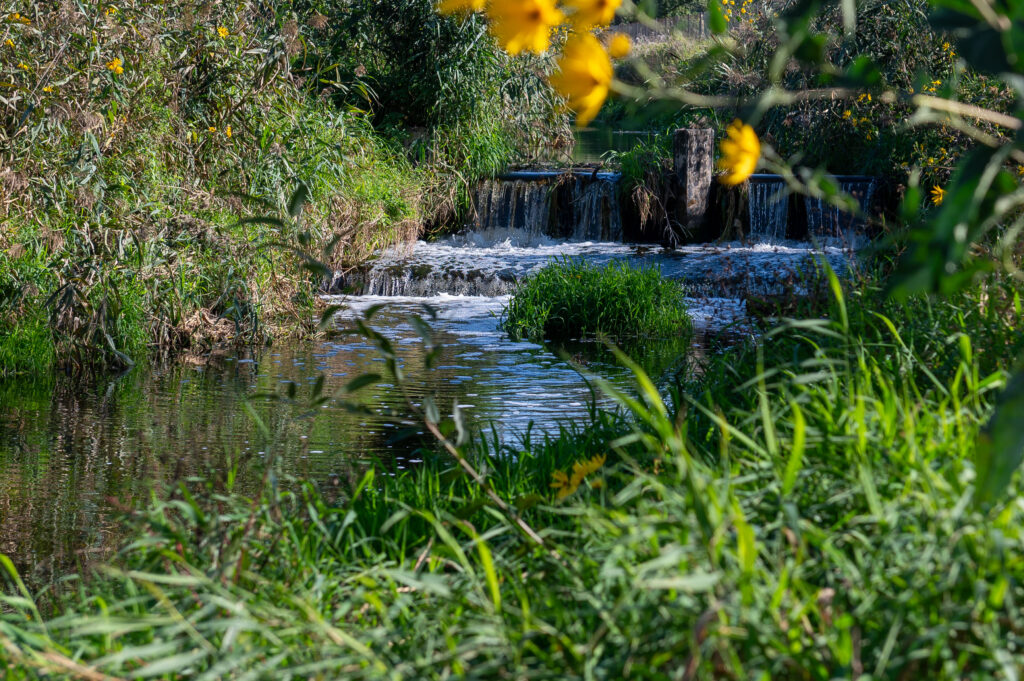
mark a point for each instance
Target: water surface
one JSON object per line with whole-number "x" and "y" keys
{"x": 71, "y": 456}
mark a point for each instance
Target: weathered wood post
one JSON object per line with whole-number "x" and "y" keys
{"x": 693, "y": 159}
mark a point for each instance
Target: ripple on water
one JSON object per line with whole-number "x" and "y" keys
{"x": 64, "y": 454}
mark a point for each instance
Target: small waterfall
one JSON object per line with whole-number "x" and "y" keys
{"x": 504, "y": 205}
{"x": 825, "y": 220}
{"x": 597, "y": 215}
{"x": 769, "y": 208}
{"x": 718, "y": 271}
{"x": 426, "y": 280}
{"x": 528, "y": 207}
{"x": 524, "y": 220}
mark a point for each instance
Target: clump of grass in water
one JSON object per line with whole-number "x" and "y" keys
{"x": 571, "y": 299}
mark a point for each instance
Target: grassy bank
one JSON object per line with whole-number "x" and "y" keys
{"x": 135, "y": 138}
{"x": 808, "y": 509}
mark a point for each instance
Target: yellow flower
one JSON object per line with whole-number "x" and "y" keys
{"x": 524, "y": 24}
{"x": 740, "y": 153}
{"x": 115, "y": 66}
{"x": 938, "y": 194}
{"x": 111, "y": 11}
{"x": 23, "y": 66}
{"x": 561, "y": 482}
{"x": 222, "y": 32}
{"x": 582, "y": 469}
{"x": 453, "y": 6}
{"x": 619, "y": 46}
{"x": 212, "y": 129}
{"x": 584, "y": 76}
{"x": 47, "y": 88}
{"x": 566, "y": 484}
{"x": 9, "y": 43}
{"x": 847, "y": 113}
{"x": 589, "y": 13}
{"x": 227, "y": 132}
{"x": 1020, "y": 170}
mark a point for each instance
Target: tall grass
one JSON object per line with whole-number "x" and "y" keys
{"x": 813, "y": 520}
{"x": 136, "y": 136}
{"x": 572, "y": 299}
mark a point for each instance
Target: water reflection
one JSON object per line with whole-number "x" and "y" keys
{"x": 70, "y": 456}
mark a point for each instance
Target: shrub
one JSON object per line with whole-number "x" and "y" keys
{"x": 572, "y": 299}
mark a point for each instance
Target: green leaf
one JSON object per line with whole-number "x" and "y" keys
{"x": 273, "y": 222}
{"x": 716, "y": 19}
{"x": 430, "y": 409}
{"x": 1001, "y": 444}
{"x": 862, "y": 72}
{"x": 299, "y": 198}
{"x": 327, "y": 317}
{"x": 361, "y": 382}
{"x": 489, "y": 572}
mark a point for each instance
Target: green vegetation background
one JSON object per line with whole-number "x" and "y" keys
{"x": 811, "y": 506}
{"x": 134, "y": 136}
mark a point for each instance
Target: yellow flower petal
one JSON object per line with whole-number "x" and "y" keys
{"x": 589, "y": 13}
{"x": 584, "y": 76}
{"x": 456, "y": 6}
{"x": 619, "y": 46}
{"x": 522, "y": 25}
{"x": 741, "y": 150}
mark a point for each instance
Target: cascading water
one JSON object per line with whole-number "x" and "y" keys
{"x": 597, "y": 215}
{"x": 519, "y": 207}
{"x": 532, "y": 207}
{"x": 769, "y": 208}
{"x": 828, "y": 221}
{"x": 524, "y": 220}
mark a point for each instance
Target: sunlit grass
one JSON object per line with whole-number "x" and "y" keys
{"x": 573, "y": 299}
{"x": 802, "y": 511}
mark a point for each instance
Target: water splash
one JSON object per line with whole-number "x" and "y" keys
{"x": 532, "y": 207}
{"x": 769, "y": 209}
{"x": 731, "y": 269}
{"x": 831, "y": 222}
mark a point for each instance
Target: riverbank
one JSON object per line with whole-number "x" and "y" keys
{"x": 151, "y": 154}
{"x": 767, "y": 518}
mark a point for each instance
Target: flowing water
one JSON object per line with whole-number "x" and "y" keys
{"x": 828, "y": 221}
{"x": 70, "y": 456}
{"x": 769, "y": 208}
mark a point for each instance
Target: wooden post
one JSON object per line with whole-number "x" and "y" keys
{"x": 693, "y": 159}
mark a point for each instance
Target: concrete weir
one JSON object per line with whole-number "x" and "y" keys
{"x": 525, "y": 219}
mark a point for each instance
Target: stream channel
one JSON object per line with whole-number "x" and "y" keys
{"x": 71, "y": 456}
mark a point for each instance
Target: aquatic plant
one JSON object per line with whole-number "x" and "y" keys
{"x": 572, "y": 299}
